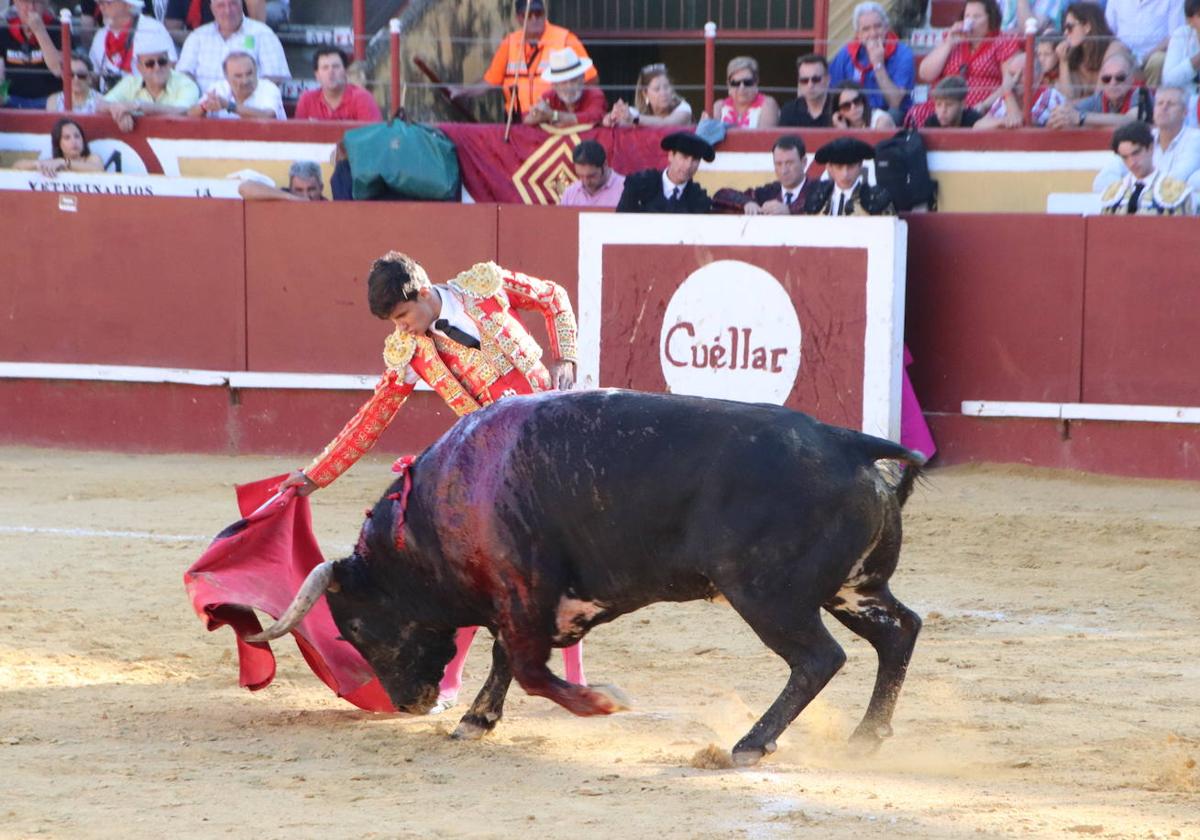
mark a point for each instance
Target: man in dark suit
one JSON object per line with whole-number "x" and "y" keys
{"x": 785, "y": 196}
{"x": 847, "y": 192}
{"x": 670, "y": 190}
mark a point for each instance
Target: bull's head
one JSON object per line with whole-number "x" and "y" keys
{"x": 408, "y": 656}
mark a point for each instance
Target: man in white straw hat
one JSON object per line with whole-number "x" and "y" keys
{"x": 112, "y": 48}
{"x": 159, "y": 89}
{"x": 569, "y": 101}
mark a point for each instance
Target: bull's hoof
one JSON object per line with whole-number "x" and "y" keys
{"x": 748, "y": 756}
{"x": 868, "y": 738}
{"x": 471, "y": 728}
{"x": 614, "y": 699}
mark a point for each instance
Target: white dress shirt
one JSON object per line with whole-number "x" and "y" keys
{"x": 456, "y": 314}
{"x": 838, "y": 194}
{"x": 205, "y": 49}
{"x": 1143, "y": 24}
{"x": 1178, "y": 70}
{"x": 670, "y": 186}
{"x": 266, "y": 97}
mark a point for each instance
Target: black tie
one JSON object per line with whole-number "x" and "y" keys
{"x": 841, "y": 204}
{"x": 675, "y": 195}
{"x": 1132, "y": 207}
{"x": 461, "y": 336}
{"x": 788, "y": 198}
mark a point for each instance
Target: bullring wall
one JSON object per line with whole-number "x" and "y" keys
{"x": 1000, "y": 308}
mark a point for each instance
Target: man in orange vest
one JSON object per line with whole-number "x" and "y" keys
{"x": 464, "y": 340}
{"x": 511, "y": 71}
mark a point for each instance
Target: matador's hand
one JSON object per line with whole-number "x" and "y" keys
{"x": 562, "y": 375}
{"x": 299, "y": 480}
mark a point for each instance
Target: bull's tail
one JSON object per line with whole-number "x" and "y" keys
{"x": 909, "y": 464}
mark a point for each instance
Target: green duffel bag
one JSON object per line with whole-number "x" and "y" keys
{"x": 400, "y": 159}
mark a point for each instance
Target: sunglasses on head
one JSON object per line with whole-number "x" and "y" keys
{"x": 654, "y": 68}
{"x": 749, "y": 82}
{"x": 155, "y": 62}
{"x": 849, "y": 103}
{"x": 804, "y": 80}
{"x": 1120, "y": 77}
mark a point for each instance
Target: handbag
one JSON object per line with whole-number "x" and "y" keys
{"x": 401, "y": 159}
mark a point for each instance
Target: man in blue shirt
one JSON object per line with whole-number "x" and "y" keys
{"x": 877, "y": 60}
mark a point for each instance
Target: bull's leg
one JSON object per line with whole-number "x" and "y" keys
{"x": 488, "y": 707}
{"x": 891, "y": 628}
{"x": 529, "y": 649}
{"x": 813, "y": 655}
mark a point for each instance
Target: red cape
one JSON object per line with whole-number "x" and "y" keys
{"x": 259, "y": 562}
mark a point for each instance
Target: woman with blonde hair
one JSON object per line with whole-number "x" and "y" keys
{"x": 655, "y": 102}
{"x": 745, "y": 106}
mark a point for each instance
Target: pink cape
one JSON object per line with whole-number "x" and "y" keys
{"x": 259, "y": 562}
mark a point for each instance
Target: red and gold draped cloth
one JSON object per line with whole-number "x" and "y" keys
{"x": 507, "y": 362}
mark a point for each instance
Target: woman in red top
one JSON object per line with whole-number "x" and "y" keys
{"x": 975, "y": 49}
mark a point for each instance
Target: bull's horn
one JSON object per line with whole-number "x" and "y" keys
{"x": 314, "y": 587}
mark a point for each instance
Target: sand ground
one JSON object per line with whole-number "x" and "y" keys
{"x": 1054, "y": 692}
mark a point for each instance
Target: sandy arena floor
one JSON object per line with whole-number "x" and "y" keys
{"x": 1054, "y": 692}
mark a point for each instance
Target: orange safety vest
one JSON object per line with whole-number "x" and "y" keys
{"x": 510, "y": 69}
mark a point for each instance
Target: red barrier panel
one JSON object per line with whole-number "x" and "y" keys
{"x": 117, "y": 280}
{"x": 995, "y": 308}
{"x": 1143, "y": 312}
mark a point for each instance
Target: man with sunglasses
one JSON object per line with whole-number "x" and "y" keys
{"x": 813, "y": 107}
{"x": 1118, "y": 101}
{"x": 158, "y": 90}
{"x": 513, "y": 72}
{"x": 112, "y": 48}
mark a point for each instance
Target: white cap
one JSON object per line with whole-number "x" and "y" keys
{"x": 150, "y": 41}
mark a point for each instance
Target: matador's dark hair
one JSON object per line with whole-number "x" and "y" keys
{"x": 394, "y": 279}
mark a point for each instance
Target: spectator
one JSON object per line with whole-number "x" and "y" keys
{"x": 1118, "y": 100}
{"x": 274, "y": 13}
{"x": 846, "y": 192}
{"x": 112, "y": 48}
{"x": 205, "y": 49}
{"x": 159, "y": 90}
{"x": 655, "y": 102}
{"x": 510, "y": 69}
{"x": 336, "y": 99}
{"x": 1176, "y": 149}
{"x": 949, "y": 110}
{"x": 813, "y": 106}
{"x": 29, "y": 55}
{"x": 785, "y": 196}
{"x": 1008, "y": 111}
{"x": 975, "y": 50}
{"x": 69, "y": 151}
{"x": 1144, "y": 190}
{"x": 1087, "y": 44}
{"x": 1014, "y": 13}
{"x": 569, "y": 101}
{"x": 241, "y": 94}
{"x": 854, "y": 111}
{"x": 1145, "y": 27}
{"x": 745, "y": 106}
{"x": 181, "y": 16}
{"x": 1182, "y": 65}
{"x": 304, "y": 184}
{"x": 670, "y": 190}
{"x": 84, "y": 97}
{"x": 597, "y": 184}
{"x": 877, "y": 60}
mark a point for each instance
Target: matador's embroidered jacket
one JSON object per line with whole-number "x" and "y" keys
{"x": 1161, "y": 196}
{"x": 507, "y": 362}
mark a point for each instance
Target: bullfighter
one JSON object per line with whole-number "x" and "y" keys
{"x": 462, "y": 339}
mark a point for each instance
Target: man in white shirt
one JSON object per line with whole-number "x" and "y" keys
{"x": 1176, "y": 149}
{"x": 241, "y": 94}
{"x": 1145, "y": 26}
{"x": 205, "y": 49}
{"x": 112, "y": 47}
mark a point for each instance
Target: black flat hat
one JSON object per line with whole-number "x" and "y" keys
{"x": 845, "y": 150}
{"x": 689, "y": 144}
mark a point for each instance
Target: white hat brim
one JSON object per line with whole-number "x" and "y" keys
{"x": 579, "y": 70}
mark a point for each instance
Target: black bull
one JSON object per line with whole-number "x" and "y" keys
{"x": 545, "y": 516}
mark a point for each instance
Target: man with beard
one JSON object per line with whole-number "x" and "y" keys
{"x": 569, "y": 101}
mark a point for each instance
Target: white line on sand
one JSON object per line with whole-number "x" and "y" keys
{"x": 89, "y": 532}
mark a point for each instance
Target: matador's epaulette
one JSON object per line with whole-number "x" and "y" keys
{"x": 480, "y": 280}
{"x": 876, "y": 200}
{"x": 398, "y": 350}
{"x": 1170, "y": 192}
{"x": 1113, "y": 195}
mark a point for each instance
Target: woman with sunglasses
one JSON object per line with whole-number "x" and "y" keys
{"x": 84, "y": 97}
{"x": 69, "y": 150}
{"x": 1087, "y": 43}
{"x": 852, "y": 110}
{"x": 655, "y": 102}
{"x": 746, "y": 106}
{"x": 975, "y": 49}
{"x": 160, "y": 89}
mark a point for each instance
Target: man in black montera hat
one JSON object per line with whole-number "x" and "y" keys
{"x": 670, "y": 190}
{"x": 846, "y": 192}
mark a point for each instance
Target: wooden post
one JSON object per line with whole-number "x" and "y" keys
{"x": 68, "y": 78}
{"x": 359, "y": 18}
{"x": 1030, "y": 63}
{"x": 710, "y": 65}
{"x": 394, "y": 33}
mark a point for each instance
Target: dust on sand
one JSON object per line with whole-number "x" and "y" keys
{"x": 1053, "y": 691}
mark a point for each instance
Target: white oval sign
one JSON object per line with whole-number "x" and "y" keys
{"x": 731, "y": 331}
